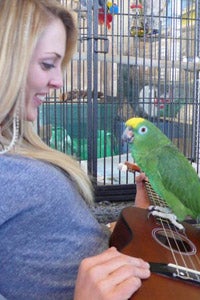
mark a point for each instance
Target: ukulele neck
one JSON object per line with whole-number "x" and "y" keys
{"x": 153, "y": 196}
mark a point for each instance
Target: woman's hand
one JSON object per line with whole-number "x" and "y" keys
{"x": 110, "y": 275}
{"x": 141, "y": 199}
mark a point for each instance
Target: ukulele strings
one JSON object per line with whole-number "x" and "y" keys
{"x": 156, "y": 200}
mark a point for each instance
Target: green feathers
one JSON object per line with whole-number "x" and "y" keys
{"x": 169, "y": 172}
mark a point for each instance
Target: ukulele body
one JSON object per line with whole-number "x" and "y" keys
{"x": 139, "y": 235}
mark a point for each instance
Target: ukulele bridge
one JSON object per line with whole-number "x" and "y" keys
{"x": 176, "y": 272}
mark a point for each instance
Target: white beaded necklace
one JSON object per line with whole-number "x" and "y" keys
{"x": 15, "y": 137}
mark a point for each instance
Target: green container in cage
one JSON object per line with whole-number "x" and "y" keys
{"x": 61, "y": 141}
{"x": 104, "y": 149}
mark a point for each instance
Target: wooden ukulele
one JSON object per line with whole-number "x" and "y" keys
{"x": 173, "y": 253}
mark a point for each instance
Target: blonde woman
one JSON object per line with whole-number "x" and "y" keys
{"x": 46, "y": 228}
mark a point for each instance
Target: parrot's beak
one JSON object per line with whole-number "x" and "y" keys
{"x": 128, "y": 135}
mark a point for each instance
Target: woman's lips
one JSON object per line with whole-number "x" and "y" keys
{"x": 39, "y": 99}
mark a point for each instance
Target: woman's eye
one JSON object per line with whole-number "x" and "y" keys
{"x": 47, "y": 66}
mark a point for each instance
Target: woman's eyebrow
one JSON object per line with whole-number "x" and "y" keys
{"x": 55, "y": 53}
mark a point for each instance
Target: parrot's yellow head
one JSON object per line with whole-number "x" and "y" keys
{"x": 134, "y": 122}
{"x": 131, "y": 124}
{"x": 144, "y": 134}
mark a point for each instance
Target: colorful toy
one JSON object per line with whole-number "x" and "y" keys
{"x": 106, "y": 17}
{"x": 138, "y": 27}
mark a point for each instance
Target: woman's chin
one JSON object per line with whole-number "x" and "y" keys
{"x": 31, "y": 116}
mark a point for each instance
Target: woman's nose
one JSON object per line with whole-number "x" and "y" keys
{"x": 56, "y": 81}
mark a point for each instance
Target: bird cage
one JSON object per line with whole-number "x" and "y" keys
{"x": 118, "y": 71}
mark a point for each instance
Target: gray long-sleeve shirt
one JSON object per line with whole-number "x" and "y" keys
{"x": 46, "y": 229}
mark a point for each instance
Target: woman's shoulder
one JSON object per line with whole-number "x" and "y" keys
{"x": 25, "y": 166}
{"x": 32, "y": 179}
{"x": 30, "y": 184}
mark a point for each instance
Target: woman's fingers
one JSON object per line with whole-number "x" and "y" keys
{"x": 110, "y": 275}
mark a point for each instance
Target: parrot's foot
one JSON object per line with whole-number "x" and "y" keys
{"x": 165, "y": 213}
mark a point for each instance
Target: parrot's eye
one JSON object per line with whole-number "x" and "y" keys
{"x": 143, "y": 130}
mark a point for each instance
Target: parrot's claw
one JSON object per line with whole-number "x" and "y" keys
{"x": 165, "y": 213}
{"x": 162, "y": 209}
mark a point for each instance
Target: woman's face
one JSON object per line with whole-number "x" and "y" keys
{"x": 45, "y": 67}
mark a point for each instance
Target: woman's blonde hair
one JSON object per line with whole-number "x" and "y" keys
{"x": 21, "y": 24}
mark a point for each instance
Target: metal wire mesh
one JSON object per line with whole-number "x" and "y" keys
{"x": 133, "y": 59}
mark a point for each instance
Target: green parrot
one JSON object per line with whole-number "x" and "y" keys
{"x": 169, "y": 172}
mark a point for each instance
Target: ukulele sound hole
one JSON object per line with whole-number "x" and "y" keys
{"x": 174, "y": 241}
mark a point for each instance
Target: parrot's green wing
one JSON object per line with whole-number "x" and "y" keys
{"x": 175, "y": 180}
